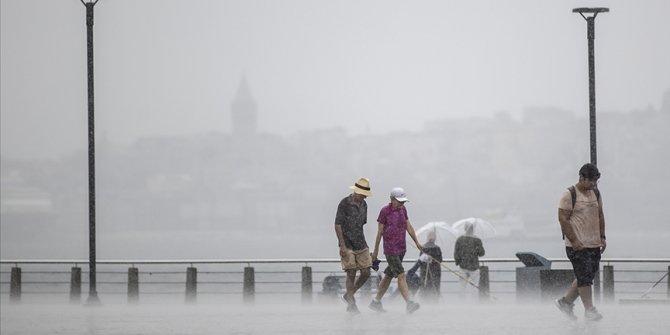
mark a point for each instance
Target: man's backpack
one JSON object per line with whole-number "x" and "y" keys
{"x": 573, "y": 194}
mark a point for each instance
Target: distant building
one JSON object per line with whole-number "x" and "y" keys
{"x": 244, "y": 111}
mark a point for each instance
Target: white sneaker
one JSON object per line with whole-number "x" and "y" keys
{"x": 591, "y": 314}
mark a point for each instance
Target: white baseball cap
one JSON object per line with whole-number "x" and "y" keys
{"x": 398, "y": 193}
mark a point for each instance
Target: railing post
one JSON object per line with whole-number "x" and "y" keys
{"x": 75, "y": 285}
{"x": 249, "y": 289}
{"x": 667, "y": 280}
{"x": 133, "y": 285}
{"x": 191, "y": 284}
{"x": 608, "y": 283}
{"x": 15, "y": 285}
{"x": 306, "y": 284}
{"x": 484, "y": 290}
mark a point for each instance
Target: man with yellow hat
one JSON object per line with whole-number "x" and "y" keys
{"x": 352, "y": 213}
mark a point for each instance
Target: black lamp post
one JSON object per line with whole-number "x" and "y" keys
{"x": 92, "y": 290}
{"x": 590, "y": 35}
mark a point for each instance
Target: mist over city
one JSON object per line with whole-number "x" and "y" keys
{"x": 231, "y": 130}
{"x": 182, "y": 167}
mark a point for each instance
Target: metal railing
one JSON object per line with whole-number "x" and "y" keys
{"x": 251, "y": 279}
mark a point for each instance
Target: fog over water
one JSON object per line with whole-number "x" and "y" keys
{"x": 232, "y": 129}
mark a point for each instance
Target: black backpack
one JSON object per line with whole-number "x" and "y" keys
{"x": 573, "y": 194}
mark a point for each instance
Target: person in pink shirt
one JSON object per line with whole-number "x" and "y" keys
{"x": 392, "y": 224}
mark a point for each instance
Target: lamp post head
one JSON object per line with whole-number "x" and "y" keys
{"x": 594, "y": 11}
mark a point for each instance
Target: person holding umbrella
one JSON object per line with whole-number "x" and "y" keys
{"x": 431, "y": 271}
{"x": 352, "y": 214}
{"x": 580, "y": 213}
{"x": 392, "y": 225}
{"x": 467, "y": 250}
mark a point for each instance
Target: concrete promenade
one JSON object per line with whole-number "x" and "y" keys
{"x": 276, "y": 317}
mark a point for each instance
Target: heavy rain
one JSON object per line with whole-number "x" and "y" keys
{"x": 227, "y": 132}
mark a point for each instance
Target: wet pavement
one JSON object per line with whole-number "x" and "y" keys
{"x": 326, "y": 318}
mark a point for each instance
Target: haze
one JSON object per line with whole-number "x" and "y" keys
{"x": 477, "y": 108}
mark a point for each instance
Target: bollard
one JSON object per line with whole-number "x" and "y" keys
{"x": 596, "y": 287}
{"x": 249, "y": 288}
{"x": 15, "y": 285}
{"x": 133, "y": 285}
{"x": 191, "y": 284}
{"x": 75, "y": 285}
{"x": 484, "y": 290}
{"x": 306, "y": 284}
{"x": 608, "y": 283}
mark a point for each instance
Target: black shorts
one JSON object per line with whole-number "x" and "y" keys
{"x": 585, "y": 263}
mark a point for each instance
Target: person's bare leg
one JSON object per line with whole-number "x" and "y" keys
{"x": 586, "y": 294}
{"x": 362, "y": 278}
{"x": 383, "y": 286}
{"x": 572, "y": 293}
{"x": 351, "y": 278}
{"x": 402, "y": 286}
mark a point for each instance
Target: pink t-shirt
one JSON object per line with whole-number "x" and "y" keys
{"x": 395, "y": 226}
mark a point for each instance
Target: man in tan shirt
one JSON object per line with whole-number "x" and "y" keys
{"x": 580, "y": 213}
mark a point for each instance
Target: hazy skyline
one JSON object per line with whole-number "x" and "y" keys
{"x": 173, "y": 67}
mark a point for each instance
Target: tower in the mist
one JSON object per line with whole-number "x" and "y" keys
{"x": 244, "y": 111}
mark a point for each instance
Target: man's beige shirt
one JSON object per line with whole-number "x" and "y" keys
{"x": 585, "y": 219}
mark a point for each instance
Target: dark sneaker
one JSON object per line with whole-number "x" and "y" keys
{"x": 566, "y": 308}
{"x": 353, "y": 309}
{"x": 591, "y": 314}
{"x": 412, "y": 307}
{"x": 377, "y": 306}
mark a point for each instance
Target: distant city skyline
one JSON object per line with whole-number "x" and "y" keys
{"x": 219, "y": 193}
{"x": 363, "y": 66}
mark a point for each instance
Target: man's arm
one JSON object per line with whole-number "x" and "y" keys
{"x": 378, "y": 238}
{"x": 603, "y": 237}
{"x": 480, "y": 247}
{"x": 564, "y": 218}
{"x": 457, "y": 251}
{"x": 564, "y": 214}
{"x": 340, "y": 240}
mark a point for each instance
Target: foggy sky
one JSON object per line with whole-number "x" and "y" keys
{"x": 172, "y": 67}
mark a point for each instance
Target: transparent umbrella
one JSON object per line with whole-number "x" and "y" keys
{"x": 444, "y": 234}
{"x": 481, "y": 228}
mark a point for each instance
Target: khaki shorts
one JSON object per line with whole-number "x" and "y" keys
{"x": 356, "y": 260}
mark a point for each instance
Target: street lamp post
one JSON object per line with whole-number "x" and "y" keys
{"x": 590, "y": 35}
{"x": 92, "y": 290}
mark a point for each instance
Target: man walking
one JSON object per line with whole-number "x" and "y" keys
{"x": 352, "y": 213}
{"x": 392, "y": 224}
{"x": 580, "y": 213}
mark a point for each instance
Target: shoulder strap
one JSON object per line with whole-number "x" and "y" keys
{"x": 573, "y": 194}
